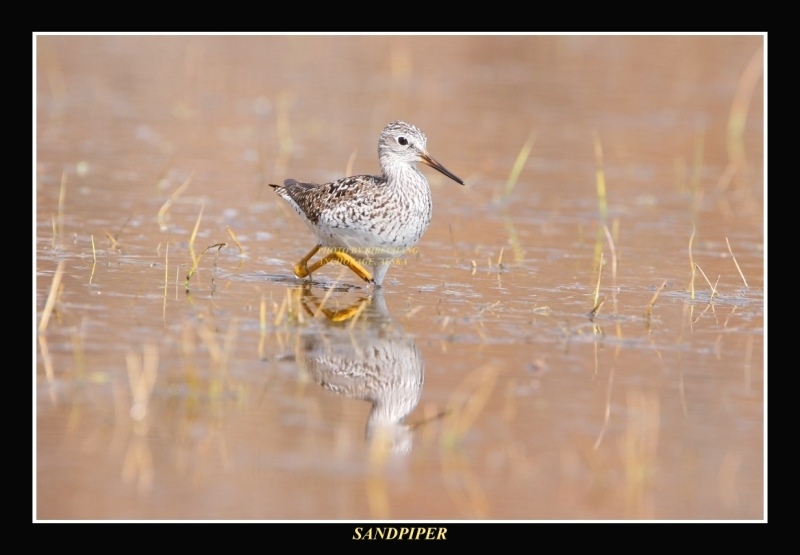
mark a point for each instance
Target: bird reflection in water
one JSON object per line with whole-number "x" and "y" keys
{"x": 364, "y": 354}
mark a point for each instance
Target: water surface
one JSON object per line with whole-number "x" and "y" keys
{"x": 479, "y": 385}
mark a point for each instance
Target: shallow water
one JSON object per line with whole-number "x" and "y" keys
{"x": 477, "y": 385}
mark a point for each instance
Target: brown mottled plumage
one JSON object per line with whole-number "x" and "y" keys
{"x": 369, "y": 220}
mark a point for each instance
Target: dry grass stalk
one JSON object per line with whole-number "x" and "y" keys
{"x": 51, "y": 297}
{"x": 600, "y": 178}
{"x": 598, "y": 305}
{"x": 741, "y": 105}
{"x": 691, "y": 262}
{"x": 741, "y": 275}
{"x": 519, "y": 164}
{"x": 162, "y": 212}
{"x": 713, "y": 287}
{"x": 235, "y": 241}
{"x": 114, "y": 242}
{"x": 196, "y": 262}
{"x": 649, "y": 310}
{"x": 596, "y": 297}
{"x": 62, "y": 195}
{"x": 166, "y": 269}
{"x": 453, "y": 242}
{"x": 610, "y": 240}
{"x": 193, "y": 236}
{"x": 350, "y": 161}
{"x": 94, "y": 261}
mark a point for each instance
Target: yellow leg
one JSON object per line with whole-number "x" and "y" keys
{"x": 301, "y": 269}
{"x": 345, "y": 259}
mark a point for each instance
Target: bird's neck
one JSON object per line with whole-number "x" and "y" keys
{"x": 405, "y": 177}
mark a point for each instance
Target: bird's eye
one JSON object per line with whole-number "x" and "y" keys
{"x": 402, "y": 140}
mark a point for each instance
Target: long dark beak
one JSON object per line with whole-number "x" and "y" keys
{"x": 438, "y": 167}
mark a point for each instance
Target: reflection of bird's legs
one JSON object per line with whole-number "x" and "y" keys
{"x": 341, "y": 315}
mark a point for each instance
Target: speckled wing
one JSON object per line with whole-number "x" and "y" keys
{"x": 303, "y": 197}
{"x": 310, "y": 200}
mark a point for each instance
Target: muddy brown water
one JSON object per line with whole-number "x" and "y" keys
{"x": 477, "y": 386}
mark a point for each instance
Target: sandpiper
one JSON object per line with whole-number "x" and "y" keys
{"x": 369, "y": 220}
